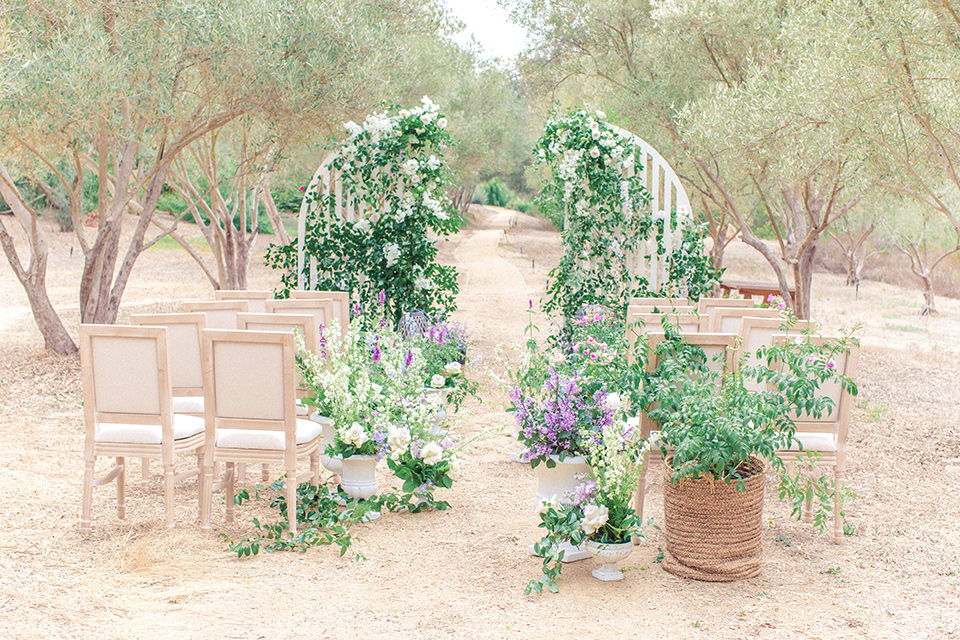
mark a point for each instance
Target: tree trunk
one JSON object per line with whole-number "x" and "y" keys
{"x": 929, "y": 304}
{"x": 803, "y": 281}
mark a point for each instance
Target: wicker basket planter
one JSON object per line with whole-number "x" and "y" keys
{"x": 712, "y": 531}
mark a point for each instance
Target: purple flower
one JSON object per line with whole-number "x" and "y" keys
{"x": 375, "y": 353}
{"x": 408, "y": 360}
{"x": 382, "y": 298}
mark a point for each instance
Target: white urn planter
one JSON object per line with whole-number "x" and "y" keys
{"x": 439, "y": 397}
{"x": 333, "y": 464}
{"x": 611, "y": 555}
{"x": 358, "y": 478}
{"x": 560, "y": 481}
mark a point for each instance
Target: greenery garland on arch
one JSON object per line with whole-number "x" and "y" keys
{"x": 392, "y": 164}
{"x": 596, "y": 196}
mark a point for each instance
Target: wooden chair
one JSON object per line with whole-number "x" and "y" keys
{"x": 186, "y": 367}
{"x": 341, "y": 304}
{"x": 128, "y": 410}
{"x": 255, "y": 299}
{"x": 250, "y": 393}
{"x": 652, "y": 308}
{"x": 221, "y": 314}
{"x": 687, "y": 322}
{"x": 721, "y": 352}
{"x": 729, "y": 319}
{"x": 828, "y": 435}
{"x": 706, "y": 307}
{"x": 323, "y": 311}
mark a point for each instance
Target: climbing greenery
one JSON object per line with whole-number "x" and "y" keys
{"x": 596, "y": 196}
{"x": 392, "y": 166}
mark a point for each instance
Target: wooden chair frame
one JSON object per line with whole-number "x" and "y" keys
{"x": 286, "y": 423}
{"x": 341, "y": 308}
{"x": 212, "y": 307}
{"x": 255, "y": 299}
{"x": 706, "y": 307}
{"x": 721, "y": 314}
{"x": 96, "y": 416}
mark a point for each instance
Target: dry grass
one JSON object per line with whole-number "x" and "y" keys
{"x": 460, "y": 574}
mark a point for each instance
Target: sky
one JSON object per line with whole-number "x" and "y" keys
{"x": 490, "y": 25}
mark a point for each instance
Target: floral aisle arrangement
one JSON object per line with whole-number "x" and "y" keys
{"x": 599, "y": 512}
{"x": 444, "y": 347}
{"x": 393, "y": 164}
{"x": 596, "y": 196}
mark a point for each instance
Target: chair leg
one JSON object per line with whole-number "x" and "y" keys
{"x": 241, "y": 474}
{"x": 638, "y": 499}
{"x": 231, "y": 487}
{"x": 122, "y": 489}
{"x": 265, "y": 473}
{"x": 315, "y": 468}
{"x": 168, "y": 494}
{"x": 290, "y": 487}
{"x": 85, "y": 523}
{"x": 206, "y": 497}
{"x": 837, "y": 518}
{"x": 145, "y": 473}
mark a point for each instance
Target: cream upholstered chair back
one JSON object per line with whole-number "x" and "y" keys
{"x": 248, "y": 377}
{"x": 729, "y": 319}
{"x": 707, "y": 306}
{"x": 687, "y": 322}
{"x": 126, "y": 376}
{"x": 321, "y": 310}
{"x": 341, "y": 301}
{"x": 843, "y": 363}
{"x": 221, "y": 314}
{"x": 255, "y": 299}
{"x": 304, "y": 324}
{"x": 183, "y": 348}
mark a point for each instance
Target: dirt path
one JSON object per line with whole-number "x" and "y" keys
{"x": 460, "y": 574}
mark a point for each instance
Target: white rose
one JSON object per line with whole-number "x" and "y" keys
{"x": 432, "y": 453}
{"x": 612, "y": 402}
{"x": 452, "y": 368}
{"x": 594, "y": 517}
{"x": 454, "y": 471}
{"x": 438, "y": 381}
{"x": 355, "y": 435}
{"x": 594, "y": 152}
{"x": 442, "y": 123}
{"x": 398, "y": 438}
{"x": 426, "y": 118}
{"x": 601, "y": 115}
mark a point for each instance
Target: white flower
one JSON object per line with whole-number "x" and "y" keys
{"x": 594, "y": 152}
{"x": 432, "y": 453}
{"x": 364, "y": 226}
{"x": 546, "y": 505}
{"x": 410, "y": 167}
{"x": 452, "y": 368}
{"x": 433, "y": 162}
{"x": 398, "y": 438}
{"x": 423, "y": 282}
{"x": 594, "y": 517}
{"x": 442, "y": 123}
{"x": 352, "y": 128}
{"x": 355, "y": 435}
{"x": 391, "y": 251}
{"x": 595, "y": 134}
{"x": 454, "y": 471}
{"x": 612, "y": 402}
{"x": 601, "y": 115}
{"x": 438, "y": 381}
{"x": 404, "y": 113}
{"x": 426, "y": 118}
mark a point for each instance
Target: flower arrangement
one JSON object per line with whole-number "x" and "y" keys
{"x": 554, "y": 423}
{"x": 444, "y": 348}
{"x": 600, "y": 509}
{"x": 596, "y": 196}
{"x": 393, "y": 164}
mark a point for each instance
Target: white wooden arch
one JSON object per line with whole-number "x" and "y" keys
{"x": 667, "y": 196}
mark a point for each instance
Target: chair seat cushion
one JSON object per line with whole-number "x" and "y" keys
{"x": 816, "y": 441}
{"x": 183, "y": 427}
{"x": 188, "y": 404}
{"x": 253, "y": 439}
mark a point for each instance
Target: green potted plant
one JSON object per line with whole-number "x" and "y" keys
{"x": 715, "y": 435}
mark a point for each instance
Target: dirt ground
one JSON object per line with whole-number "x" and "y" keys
{"x": 460, "y": 573}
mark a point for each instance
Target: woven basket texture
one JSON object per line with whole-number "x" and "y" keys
{"x": 712, "y": 531}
